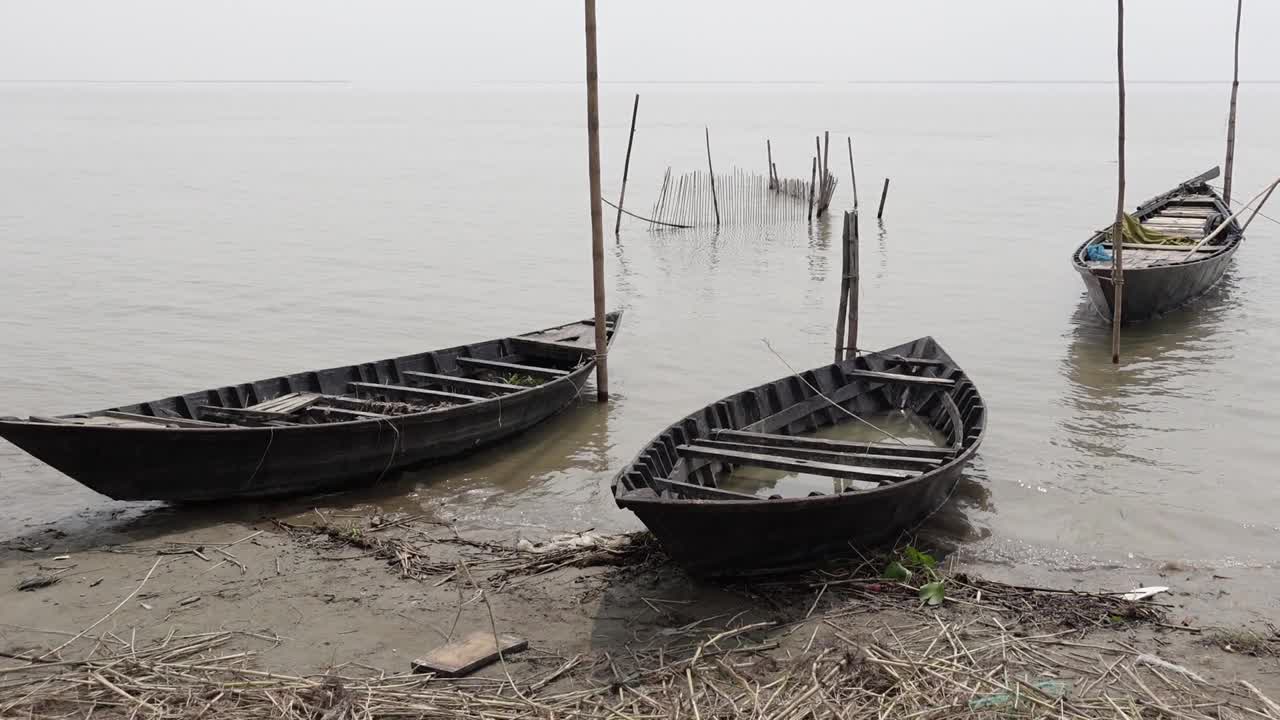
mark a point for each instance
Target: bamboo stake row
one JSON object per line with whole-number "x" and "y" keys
{"x": 737, "y": 197}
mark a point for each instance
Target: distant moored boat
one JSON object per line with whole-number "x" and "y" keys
{"x": 1167, "y": 264}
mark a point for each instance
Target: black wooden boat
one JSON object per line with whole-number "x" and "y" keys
{"x": 318, "y": 430}
{"x": 675, "y": 484}
{"x": 1157, "y": 277}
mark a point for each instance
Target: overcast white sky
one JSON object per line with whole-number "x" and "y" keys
{"x": 420, "y": 43}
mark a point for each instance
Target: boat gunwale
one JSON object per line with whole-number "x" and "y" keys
{"x": 526, "y": 392}
{"x": 623, "y": 500}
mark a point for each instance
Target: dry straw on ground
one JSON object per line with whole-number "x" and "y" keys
{"x": 840, "y": 643}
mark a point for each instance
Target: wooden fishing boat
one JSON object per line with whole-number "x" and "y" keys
{"x": 1163, "y": 277}
{"x": 677, "y": 484}
{"x": 318, "y": 430}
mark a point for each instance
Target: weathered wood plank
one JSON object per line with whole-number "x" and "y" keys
{"x": 240, "y": 416}
{"x": 900, "y": 378}
{"x": 470, "y": 384}
{"x": 288, "y": 403}
{"x": 702, "y": 492}
{"x": 174, "y": 421}
{"x": 1177, "y": 248}
{"x": 843, "y": 446}
{"x": 344, "y": 412}
{"x": 900, "y": 462}
{"x": 560, "y": 351}
{"x": 920, "y": 362}
{"x": 468, "y": 654}
{"x": 776, "y": 462}
{"x": 513, "y": 367}
{"x": 406, "y": 391}
{"x": 805, "y": 408}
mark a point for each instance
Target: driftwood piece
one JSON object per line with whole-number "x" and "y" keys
{"x": 465, "y": 656}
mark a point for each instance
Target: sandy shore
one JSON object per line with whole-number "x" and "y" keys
{"x": 305, "y": 604}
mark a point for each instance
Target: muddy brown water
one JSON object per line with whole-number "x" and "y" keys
{"x": 164, "y": 239}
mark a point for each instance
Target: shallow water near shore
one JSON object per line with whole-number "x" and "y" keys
{"x": 164, "y": 239}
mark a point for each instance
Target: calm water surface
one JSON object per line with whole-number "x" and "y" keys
{"x": 163, "y": 239}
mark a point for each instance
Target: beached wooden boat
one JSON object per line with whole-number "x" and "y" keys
{"x": 318, "y": 430}
{"x": 1163, "y": 277}
{"x": 676, "y": 484}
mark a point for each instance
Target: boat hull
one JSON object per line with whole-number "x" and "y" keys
{"x": 715, "y": 537}
{"x": 197, "y": 464}
{"x": 1155, "y": 291}
{"x": 1180, "y": 276}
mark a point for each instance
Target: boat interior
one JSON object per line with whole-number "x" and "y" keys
{"x": 421, "y": 383}
{"x": 762, "y": 429}
{"x": 1183, "y": 219}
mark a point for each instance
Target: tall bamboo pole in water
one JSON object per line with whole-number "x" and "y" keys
{"x": 842, "y": 308}
{"x": 597, "y": 216}
{"x": 715, "y": 204}
{"x": 617, "y": 226}
{"x": 1117, "y": 232}
{"x": 1229, "y": 165}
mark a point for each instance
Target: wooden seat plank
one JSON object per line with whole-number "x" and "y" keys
{"x": 900, "y": 378}
{"x": 513, "y": 367}
{"x": 777, "y": 462}
{"x": 900, "y": 462}
{"x": 158, "y": 420}
{"x": 407, "y": 391}
{"x": 469, "y": 383}
{"x": 920, "y": 362}
{"x": 240, "y": 416}
{"x": 842, "y": 446}
{"x": 1178, "y": 248}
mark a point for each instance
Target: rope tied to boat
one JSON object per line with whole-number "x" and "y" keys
{"x": 833, "y": 403}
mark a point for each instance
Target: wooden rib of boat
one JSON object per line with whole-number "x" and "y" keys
{"x": 1160, "y": 278}
{"x": 676, "y": 485}
{"x": 318, "y": 430}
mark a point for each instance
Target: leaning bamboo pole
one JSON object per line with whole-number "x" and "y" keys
{"x": 853, "y": 177}
{"x": 1230, "y": 163}
{"x": 813, "y": 176}
{"x": 626, "y": 166}
{"x": 715, "y": 204}
{"x": 597, "y": 214}
{"x": 1117, "y": 237}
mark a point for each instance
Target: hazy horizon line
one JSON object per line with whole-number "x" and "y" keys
{"x": 324, "y": 81}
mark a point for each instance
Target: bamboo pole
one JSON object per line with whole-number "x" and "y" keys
{"x": 813, "y": 176}
{"x": 1265, "y": 195}
{"x": 843, "y": 308}
{"x": 826, "y": 166}
{"x": 1117, "y": 237}
{"x": 822, "y": 175}
{"x": 1229, "y": 165}
{"x": 617, "y": 226}
{"x": 597, "y": 215}
{"x": 1259, "y": 208}
{"x": 884, "y": 192}
{"x": 853, "y": 177}
{"x": 715, "y": 204}
{"x": 768, "y": 146}
{"x": 851, "y": 336}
